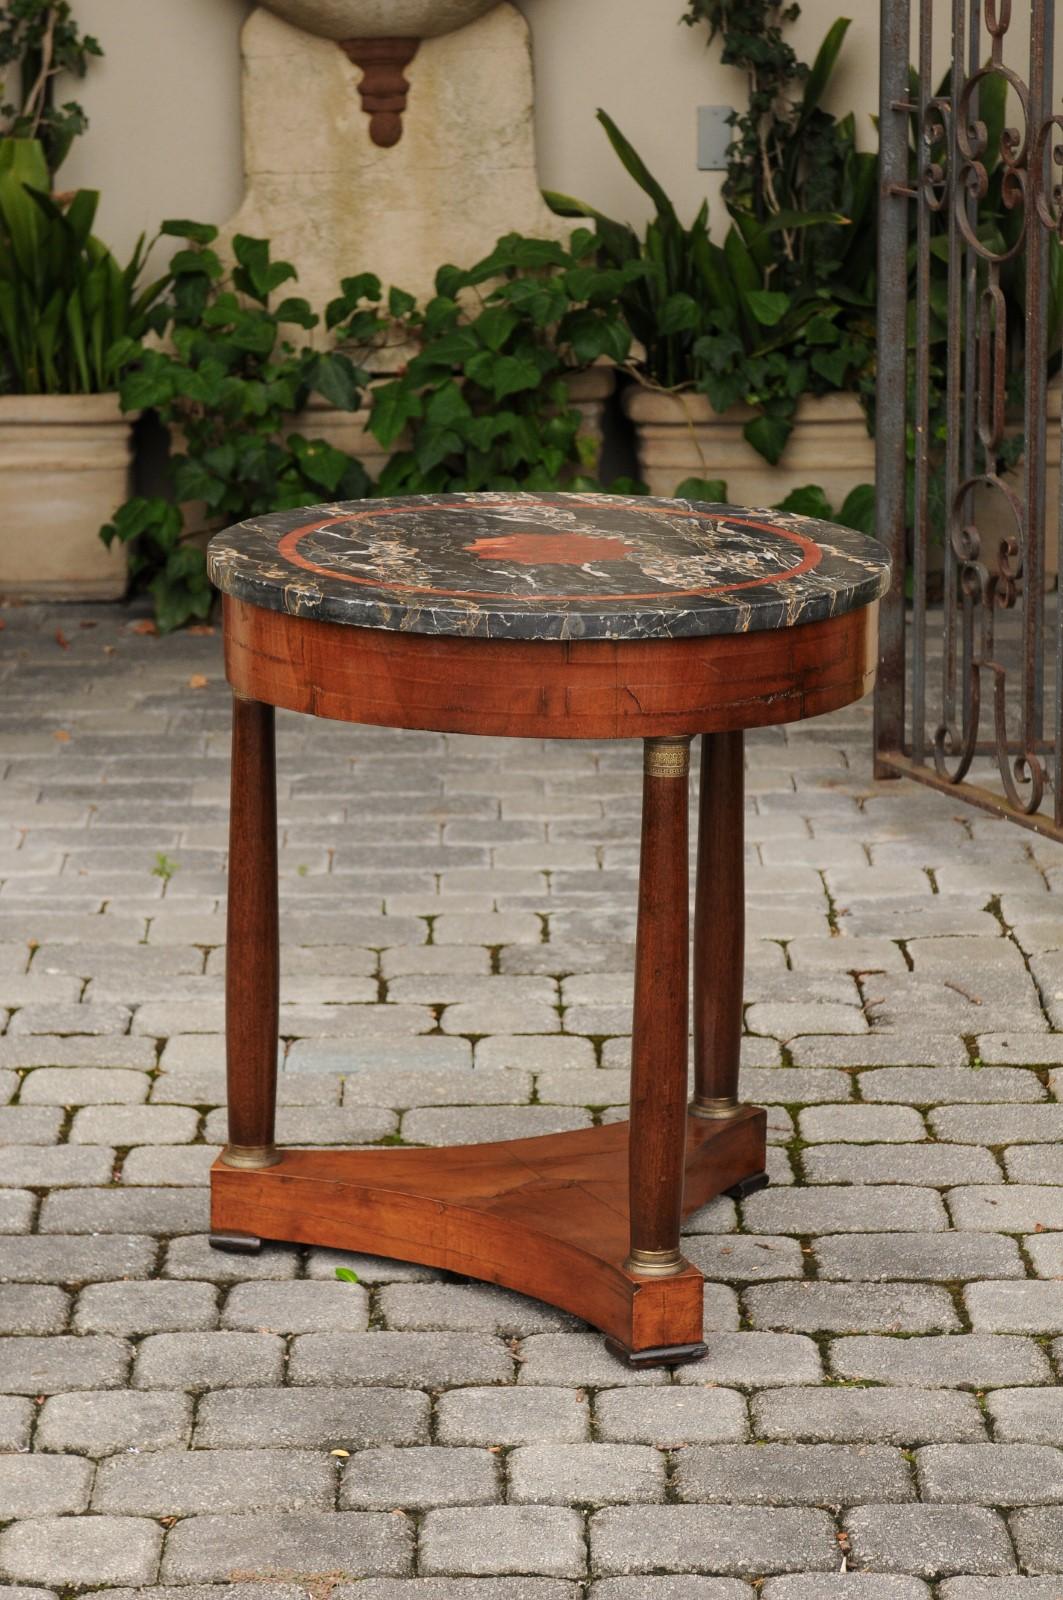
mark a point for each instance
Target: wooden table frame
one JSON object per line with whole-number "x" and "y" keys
{"x": 589, "y": 1220}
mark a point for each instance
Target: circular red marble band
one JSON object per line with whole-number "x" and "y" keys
{"x": 288, "y": 548}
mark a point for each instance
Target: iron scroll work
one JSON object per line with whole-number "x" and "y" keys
{"x": 971, "y": 664}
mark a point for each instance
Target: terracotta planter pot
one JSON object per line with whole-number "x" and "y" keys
{"x": 65, "y": 465}
{"x": 681, "y": 436}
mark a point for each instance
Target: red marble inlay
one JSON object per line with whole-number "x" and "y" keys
{"x": 551, "y": 549}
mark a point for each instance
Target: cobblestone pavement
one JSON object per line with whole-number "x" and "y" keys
{"x": 877, "y": 1418}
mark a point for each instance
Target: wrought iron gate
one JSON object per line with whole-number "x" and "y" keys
{"x": 970, "y": 284}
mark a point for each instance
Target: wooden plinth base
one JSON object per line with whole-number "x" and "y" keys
{"x": 545, "y": 1216}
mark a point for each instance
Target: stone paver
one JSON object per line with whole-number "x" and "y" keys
{"x": 877, "y": 1416}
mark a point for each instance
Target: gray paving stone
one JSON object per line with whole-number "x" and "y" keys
{"x": 128, "y": 1125}
{"x": 793, "y": 1085}
{"x": 349, "y": 1125}
{"x": 1027, "y": 1416}
{"x": 288, "y": 1547}
{"x": 999, "y": 1589}
{"x": 84, "y": 1086}
{"x": 935, "y": 1164}
{"x": 743, "y": 1541}
{"x": 990, "y": 1474}
{"x": 1034, "y": 1163}
{"x": 37, "y": 1308}
{"x": 137, "y": 1308}
{"x": 125, "y": 1211}
{"x": 50, "y": 1365}
{"x": 54, "y": 1166}
{"x": 676, "y": 1587}
{"x": 406, "y": 1360}
{"x": 756, "y": 1360}
{"x": 1028, "y": 1307}
{"x": 879, "y": 1050}
{"x": 453, "y": 1087}
{"x": 60, "y": 1050}
{"x": 846, "y": 1586}
{"x": 512, "y": 1416}
{"x": 739, "y": 1259}
{"x": 296, "y": 1307}
{"x": 322, "y": 1264}
{"x": 320, "y": 1419}
{"x": 32, "y": 1125}
{"x": 579, "y": 1359}
{"x": 1045, "y": 1251}
{"x": 185, "y": 1482}
{"x": 378, "y": 1054}
{"x": 929, "y": 1541}
{"x": 108, "y": 1422}
{"x": 938, "y": 1085}
{"x": 857, "y": 1308}
{"x": 169, "y": 1166}
{"x": 1006, "y": 1208}
{"x": 76, "y": 1260}
{"x": 455, "y": 1589}
{"x": 419, "y": 1479}
{"x": 861, "y": 1124}
{"x": 198, "y": 1361}
{"x": 96, "y": 1019}
{"x": 1038, "y": 1534}
{"x": 863, "y": 1208}
{"x": 794, "y": 1475}
{"x": 1021, "y": 1049}
{"x": 955, "y": 1360}
{"x": 193, "y": 1257}
{"x": 671, "y": 1416}
{"x": 503, "y": 1539}
{"x": 593, "y": 1474}
{"x": 43, "y": 1486}
{"x": 873, "y": 1416}
{"x": 924, "y": 1257}
{"x": 68, "y": 1551}
{"x": 16, "y": 1422}
{"x": 467, "y": 1307}
{"x": 998, "y": 1124}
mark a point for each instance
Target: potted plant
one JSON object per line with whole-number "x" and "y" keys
{"x": 756, "y": 352}
{"x": 487, "y": 399}
{"x": 228, "y": 383}
{"x": 67, "y": 310}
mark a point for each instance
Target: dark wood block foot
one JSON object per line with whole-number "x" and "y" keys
{"x": 547, "y": 1217}
{"x": 235, "y": 1243}
{"x": 747, "y": 1186}
{"x": 670, "y": 1355}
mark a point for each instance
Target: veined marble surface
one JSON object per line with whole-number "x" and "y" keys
{"x": 549, "y": 566}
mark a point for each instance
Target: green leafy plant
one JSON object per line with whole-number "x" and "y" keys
{"x": 227, "y": 383}
{"x": 347, "y": 1275}
{"x": 39, "y": 39}
{"x": 68, "y": 312}
{"x": 857, "y": 510}
{"x": 164, "y": 868}
{"x": 708, "y": 316}
{"x": 483, "y": 398}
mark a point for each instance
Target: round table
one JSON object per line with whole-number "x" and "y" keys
{"x": 562, "y": 616}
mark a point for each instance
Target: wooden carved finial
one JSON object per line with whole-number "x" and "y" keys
{"x": 383, "y": 87}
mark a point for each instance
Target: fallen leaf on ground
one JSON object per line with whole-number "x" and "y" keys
{"x": 197, "y": 681}
{"x": 60, "y": 734}
{"x": 61, "y": 639}
{"x": 144, "y": 626}
{"x": 201, "y": 629}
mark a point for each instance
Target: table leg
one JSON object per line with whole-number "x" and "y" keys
{"x": 719, "y": 927}
{"x": 252, "y": 959}
{"x": 657, "y": 1140}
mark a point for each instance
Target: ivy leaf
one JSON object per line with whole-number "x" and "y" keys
{"x": 400, "y": 304}
{"x": 394, "y": 405}
{"x": 859, "y": 509}
{"x": 767, "y": 305}
{"x": 337, "y": 380}
{"x": 447, "y": 406}
{"x": 322, "y": 463}
{"x": 808, "y": 501}
{"x": 679, "y": 314}
{"x": 768, "y": 436}
{"x": 712, "y": 490}
{"x": 198, "y": 232}
{"x": 495, "y": 325}
{"x": 512, "y": 374}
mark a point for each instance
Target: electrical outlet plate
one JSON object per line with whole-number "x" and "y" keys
{"x": 714, "y": 136}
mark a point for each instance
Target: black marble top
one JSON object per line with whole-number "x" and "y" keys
{"x": 549, "y": 566}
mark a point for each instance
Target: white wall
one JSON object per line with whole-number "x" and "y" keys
{"x": 164, "y": 136}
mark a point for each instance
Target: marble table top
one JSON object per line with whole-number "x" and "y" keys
{"x": 549, "y": 566}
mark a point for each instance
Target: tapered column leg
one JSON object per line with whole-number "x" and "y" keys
{"x": 252, "y": 959}
{"x": 719, "y": 927}
{"x": 659, "y": 1028}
